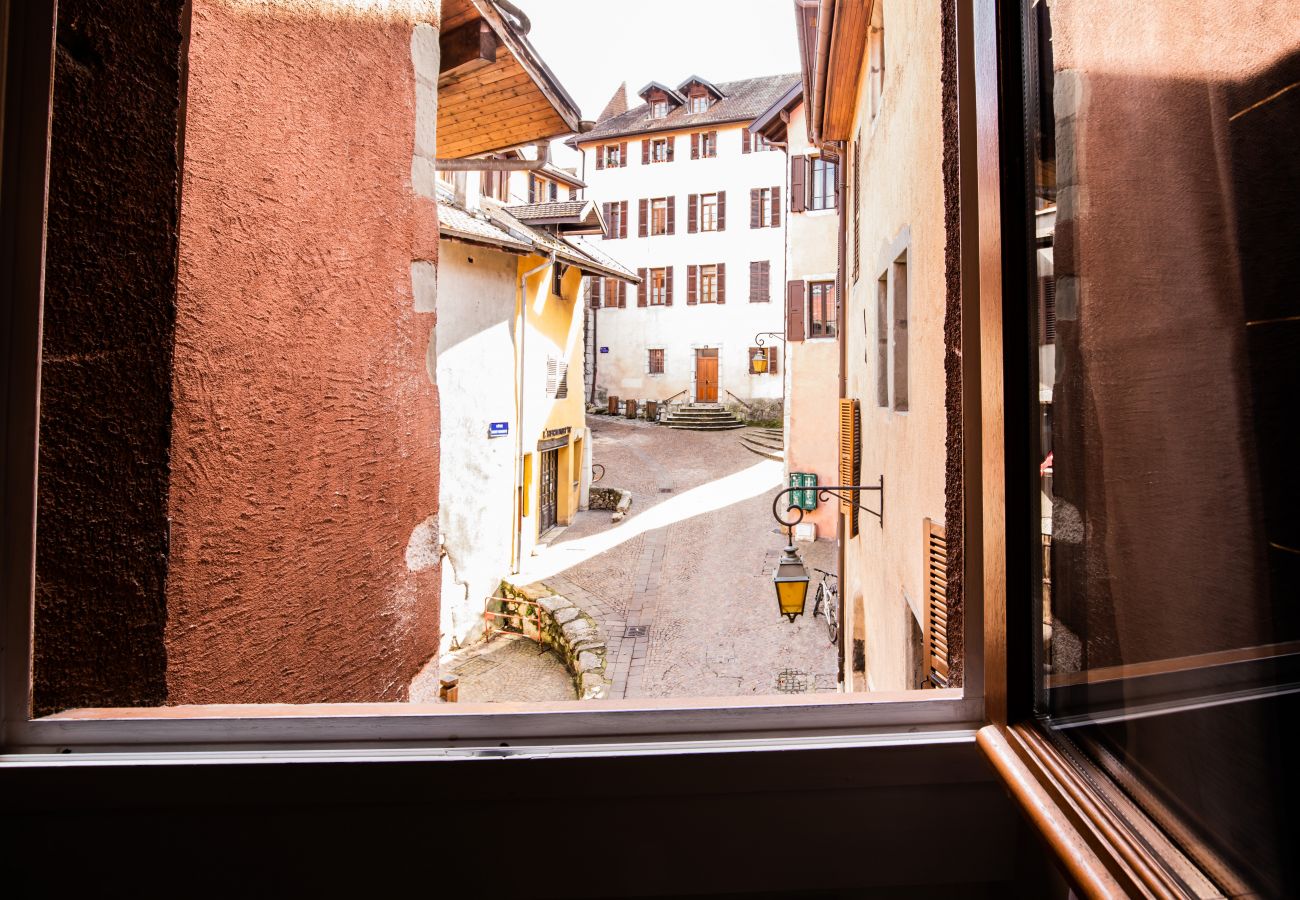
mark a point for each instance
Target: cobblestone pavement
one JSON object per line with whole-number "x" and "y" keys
{"x": 682, "y": 588}
{"x": 506, "y": 668}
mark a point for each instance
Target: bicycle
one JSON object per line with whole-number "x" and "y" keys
{"x": 827, "y": 602}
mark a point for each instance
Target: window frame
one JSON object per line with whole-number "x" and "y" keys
{"x": 710, "y": 296}
{"x": 261, "y": 733}
{"x": 650, "y": 361}
{"x": 765, "y": 207}
{"x": 827, "y": 180}
{"x": 709, "y": 222}
{"x": 654, "y": 209}
{"x": 829, "y": 323}
{"x": 657, "y": 144}
{"x": 660, "y": 290}
{"x": 659, "y": 109}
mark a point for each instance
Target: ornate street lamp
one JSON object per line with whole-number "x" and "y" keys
{"x": 790, "y": 577}
{"x": 759, "y": 361}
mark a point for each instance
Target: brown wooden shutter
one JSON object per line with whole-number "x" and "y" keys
{"x": 643, "y": 289}
{"x": 643, "y": 225}
{"x": 850, "y": 458}
{"x": 798, "y": 183}
{"x": 749, "y": 358}
{"x": 604, "y": 211}
{"x": 765, "y": 286}
{"x": 776, "y": 207}
{"x": 722, "y": 210}
{"x": 857, "y": 205}
{"x": 755, "y": 277}
{"x": 695, "y": 146}
{"x": 1047, "y": 309}
{"x": 622, "y": 154}
{"x": 722, "y": 282}
{"x": 934, "y": 616}
{"x": 671, "y": 141}
{"x": 692, "y": 296}
{"x": 622, "y": 294}
{"x": 794, "y": 304}
{"x": 754, "y": 200}
{"x": 773, "y": 357}
{"x": 672, "y": 215}
{"x": 600, "y": 157}
{"x": 745, "y": 140}
{"x": 692, "y": 213}
{"x": 713, "y": 142}
{"x": 645, "y": 152}
{"x": 668, "y": 285}
{"x": 622, "y": 219}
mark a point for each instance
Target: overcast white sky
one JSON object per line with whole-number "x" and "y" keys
{"x": 593, "y": 45}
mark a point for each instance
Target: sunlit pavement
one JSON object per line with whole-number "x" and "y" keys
{"x": 682, "y": 588}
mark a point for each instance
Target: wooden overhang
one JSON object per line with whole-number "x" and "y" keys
{"x": 494, "y": 90}
{"x": 832, "y": 43}
{"x": 774, "y": 123}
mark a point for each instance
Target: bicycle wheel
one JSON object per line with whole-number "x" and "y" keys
{"x": 819, "y": 599}
{"x": 832, "y": 615}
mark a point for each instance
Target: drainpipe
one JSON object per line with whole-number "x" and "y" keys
{"x": 841, "y": 320}
{"x": 519, "y": 413}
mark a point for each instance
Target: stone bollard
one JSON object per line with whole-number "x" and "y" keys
{"x": 613, "y": 405}
{"x": 448, "y": 688}
{"x": 631, "y": 409}
{"x": 652, "y": 410}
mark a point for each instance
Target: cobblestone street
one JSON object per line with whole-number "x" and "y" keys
{"x": 682, "y": 587}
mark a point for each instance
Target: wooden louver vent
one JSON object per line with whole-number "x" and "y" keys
{"x": 935, "y": 623}
{"x": 1047, "y": 309}
{"x": 850, "y": 458}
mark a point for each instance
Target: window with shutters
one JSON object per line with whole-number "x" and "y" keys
{"x": 661, "y": 150}
{"x": 850, "y": 458}
{"x": 708, "y": 144}
{"x": 655, "y": 361}
{"x": 658, "y": 287}
{"x": 821, "y": 309}
{"x": 771, "y": 354}
{"x": 612, "y": 155}
{"x": 762, "y": 213}
{"x": 616, "y": 220}
{"x": 821, "y": 187}
{"x": 760, "y": 287}
{"x": 708, "y": 284}
{"x": 557, "y": 378}
{"x": 708, "y": 212}
{"x": 934, "y": 615}
{"x": 611, "y": 290}
{"x": 659, "y": 215}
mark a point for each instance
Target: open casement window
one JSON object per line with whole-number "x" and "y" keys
{"x": 765, "y": 207}
{"x": 798, "y": 183}
{"x": 705, "y": 212}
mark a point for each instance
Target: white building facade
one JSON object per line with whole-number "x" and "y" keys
{"x": 694, "y": 204}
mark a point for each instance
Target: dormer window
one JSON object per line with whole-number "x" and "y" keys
{"x": 659, "y": 109}
{"x": 699, "y": 103}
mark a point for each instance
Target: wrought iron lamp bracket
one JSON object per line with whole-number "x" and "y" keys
{"x": 759, "y": 339}
{"x": 849, "y": 494}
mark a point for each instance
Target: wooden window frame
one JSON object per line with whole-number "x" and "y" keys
{"x": 651, "y": 359}
{"x": 655, "y": 209}
{"x": 827, "y": 180}
{"x": 708, "y": 223}
{"x": 707, "y": 286}
{"x": 817, "y": 291}
{"x": 659, "y": 291}
{"x": 664, "y": 144}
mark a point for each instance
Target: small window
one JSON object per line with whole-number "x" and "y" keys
{"x": 821, "y": 309}
{"x": 659, "y": 150}
{"x": 821, "y": 193}
{"x": 708, "y": 212}
{"x": 708, "y": 145}
{"x": 613, "y": 155}
{"x": 764, "y": 207}
{"x": 900, "y": 334}
{"x": 659, "y": 216}
{"x": 553, "y": 191}
{"x": 708, "y": 284}
{"x": 655, "y": 364}
{"x": 659, "y": 109}
{"x": 882, "y": 341}
{"x": 699, "y": 103}
{"x": 658, "y": 287}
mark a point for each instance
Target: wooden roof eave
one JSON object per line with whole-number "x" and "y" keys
{"x": 531, "y": 62}
{"x": 841, "y": 43}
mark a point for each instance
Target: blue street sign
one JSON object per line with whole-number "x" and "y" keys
{"x": 604, "y": 349}
{"x": 498, "y": 429}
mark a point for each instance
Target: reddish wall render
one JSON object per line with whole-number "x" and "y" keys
{"x": 304, "y": 446}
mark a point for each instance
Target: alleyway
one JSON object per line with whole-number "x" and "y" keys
{"x": 682, "y": 587}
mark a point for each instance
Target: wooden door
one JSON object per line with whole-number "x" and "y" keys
{"x": 549, "y": 498}
{"x": 706, "y": 377}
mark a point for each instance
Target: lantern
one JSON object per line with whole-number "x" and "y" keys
{"x": 759, "y": 362}
{"x": 791, "y": 581}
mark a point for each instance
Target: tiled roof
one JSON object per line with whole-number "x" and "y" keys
{"x": 499, "y": 227}
{"x": 617, "y": 104}
{"x": 554, "y": 210}
{"x": 745, "y": 100}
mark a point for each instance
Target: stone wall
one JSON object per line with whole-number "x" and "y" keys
{"x": 566, "y": 629}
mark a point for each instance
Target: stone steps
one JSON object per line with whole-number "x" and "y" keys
{"x": 703, "y": 417}
{"x": 768, "y": 442}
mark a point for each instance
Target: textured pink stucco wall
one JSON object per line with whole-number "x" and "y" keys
{"x": 304, "y": 452}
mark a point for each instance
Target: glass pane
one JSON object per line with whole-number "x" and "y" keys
{"x": 1164, "y": 333}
